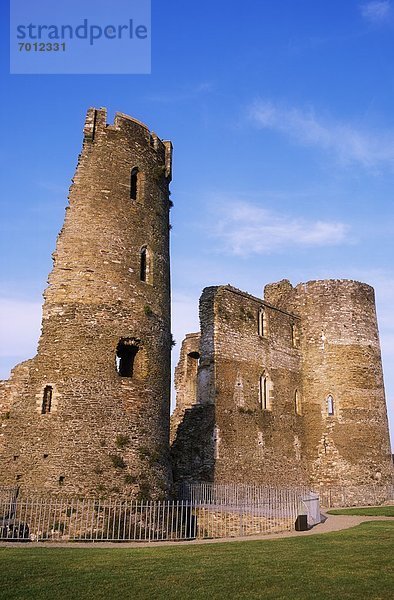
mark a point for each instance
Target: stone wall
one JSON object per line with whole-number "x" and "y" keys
{"x": 185, "y": 380}
{"x": 340, "y": 359}
{"x": 271, "y": 371}
{"x": 285, "y": 390}
{"x": 103, "y": 361}
{"x": 252, "y": 439}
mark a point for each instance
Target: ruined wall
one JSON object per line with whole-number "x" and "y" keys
{"x": 320, "y": 415}
{"x": 342, "y": 374}
{"x": 103, "y": 361}
{"x": 185, "y": 380}
{"x": 251, "y": 439}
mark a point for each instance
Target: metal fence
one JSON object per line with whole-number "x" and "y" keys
{"x": 267, "y": 499}
{"x": 204, "y": 510}
{"x": 65, "y": 519}
{"x": 238, "y": 494}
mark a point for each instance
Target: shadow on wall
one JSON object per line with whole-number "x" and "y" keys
{"x": 193, "y": 449}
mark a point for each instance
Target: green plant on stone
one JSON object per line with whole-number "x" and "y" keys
{"x": 130, "y": 479}
{"x": 122, "y": 440}
{"x": 148, "y": 311}
{"x": 117, "y": 461}
{"x": 245, "y": 411}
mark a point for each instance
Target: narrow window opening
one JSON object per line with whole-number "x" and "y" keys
{"x": 297, "y": 403}
{"x": 47, "y": 400}
{"x": 216, "y": 441}
{"x": 330, "y": 405}
{"x": 262, "y": 322}
{"x": 145, "y": 265}
{"x": 294, "y": 339}
{"x": 263, "y": 392}
{"x": 61, "y": 479}
{"x": 134, "y": 183}
{"x": 125, "y": 357}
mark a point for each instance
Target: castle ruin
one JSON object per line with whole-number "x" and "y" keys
{"x": 283, "y": 390}
{"x": 90, "y": 413}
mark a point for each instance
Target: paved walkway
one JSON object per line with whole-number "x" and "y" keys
{"x": 330, "y": 523}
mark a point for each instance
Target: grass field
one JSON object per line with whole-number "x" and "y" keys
{"x": 356, "y": 564}
{"x": 368, "y": 511}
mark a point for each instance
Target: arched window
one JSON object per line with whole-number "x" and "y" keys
{"x": 47, "y": 400}
{"x": 262, "y": 322}
{"x": 134, "y": 183}
{"x": 330, "y": 405}
{"x": 145, "y": 265}
{"x": 263, "y": 392}
{"x": 297, "y": 403}
{"x": 125, "y": 355}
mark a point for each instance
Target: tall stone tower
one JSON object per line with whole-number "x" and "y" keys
{"x": 91, "y": 414}
{"x": 346, "y": 439}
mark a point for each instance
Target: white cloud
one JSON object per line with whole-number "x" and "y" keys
{"x": 376, "y": 11}
{"x": 347, "y": 143}
{"x": 244, "y": 228}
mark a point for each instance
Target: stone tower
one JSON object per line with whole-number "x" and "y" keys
{"x": 91, "y": 411}
{"x": 289, "y": 391}
{"x": 346, "y": 437}
{"x": 346, "y": 440}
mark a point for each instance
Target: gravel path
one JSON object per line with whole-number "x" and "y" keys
{"x": 330, "y": 523}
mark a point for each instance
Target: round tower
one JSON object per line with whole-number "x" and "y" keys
{"x": 345, "y": 421}
{"x": 97, "y": 398}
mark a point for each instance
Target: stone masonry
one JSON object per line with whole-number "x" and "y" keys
{"x": 284, "y": 390}
{"x": 289, "y": 389}
{"x": 90, "y": 413}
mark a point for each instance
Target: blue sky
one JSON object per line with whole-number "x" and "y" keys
{"x": 281, "y": 117}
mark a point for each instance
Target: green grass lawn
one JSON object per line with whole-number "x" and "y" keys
{"x": 356, "y": 563}
{"x": 369, "y": 511}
